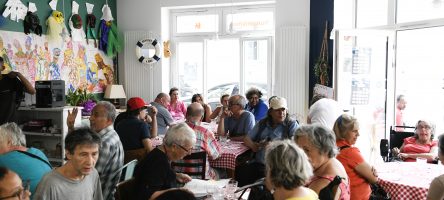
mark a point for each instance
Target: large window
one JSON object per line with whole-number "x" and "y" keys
{"x": 223, "y": 50}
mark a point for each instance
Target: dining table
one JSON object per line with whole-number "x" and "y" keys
{"x": 407, "y": 180}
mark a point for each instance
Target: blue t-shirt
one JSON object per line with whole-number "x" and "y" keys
{"x": 269, "y": 133}
{"x": 241, "y": 126}
{"x": 131, "y": 132}
{"x": 27, "y": 167}
{"x": 259, "y": 111}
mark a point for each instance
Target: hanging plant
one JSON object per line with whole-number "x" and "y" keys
{"x": 321, "y": 67}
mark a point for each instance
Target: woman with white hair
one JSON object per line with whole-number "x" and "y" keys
{"x": 29, "y": 163}
{"x": 154, "y": 175}
{"x": 287, "y": 170}
{"x": 421, "y": 145}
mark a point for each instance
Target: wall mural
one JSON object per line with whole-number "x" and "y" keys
{"x": 79, "y": 64}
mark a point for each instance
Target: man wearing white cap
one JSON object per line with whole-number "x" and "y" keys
{"x": 276, "y": 125}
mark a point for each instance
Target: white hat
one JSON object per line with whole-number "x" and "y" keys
{"x": 278, "y": 103}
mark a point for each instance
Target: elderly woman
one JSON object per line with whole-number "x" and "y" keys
{"x": 287, "y": 170}
{"x": 29, "y": 163}
{"x": 255, "y": 104}
{"x": 360, "y": 173}
{"x": 319, "y": 143}
{"x": 176, "y": 107}
{"x": 11, "y": 186}
{"x": 154, "y": 175}
{"x": 436, "y": 189}
{"x": 207, "y": 109}
{"x": 421, "y": 145}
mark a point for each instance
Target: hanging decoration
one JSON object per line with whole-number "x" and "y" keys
{"x": 75, "y": 24}
{"x": 32, "y": 21}
{"x": 90, "y": 24}
{"x": 321, "y": 68}
{"x": 15, "y": 9}
{"x": 108, "y": 34}
{"x": 57, "y": 31}
{"x": 148, "y": 43}
{"x": 166, "y": 49}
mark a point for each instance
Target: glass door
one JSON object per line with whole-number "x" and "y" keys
{"x": 361, "y": 83}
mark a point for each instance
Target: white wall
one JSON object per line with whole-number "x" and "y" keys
{"x": 145, "y": 15}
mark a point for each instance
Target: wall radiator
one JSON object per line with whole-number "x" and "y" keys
{"x": 136, "y": 77}
{"x": 291, "y": 75}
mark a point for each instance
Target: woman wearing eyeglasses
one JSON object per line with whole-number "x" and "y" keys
{"x": 11, "y": 186}
{"x": 421, "y": 145}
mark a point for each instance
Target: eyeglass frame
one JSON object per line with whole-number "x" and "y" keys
{"x": 21, "y": 192}
{"x": 182, "y": 147}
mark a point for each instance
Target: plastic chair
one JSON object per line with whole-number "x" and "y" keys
{"x": 127, "y": 170}
{"x": 125, "y": 190}
{"x": 196, "y": 161}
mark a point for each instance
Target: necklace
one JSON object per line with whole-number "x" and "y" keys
{"x": 321, "y": 165}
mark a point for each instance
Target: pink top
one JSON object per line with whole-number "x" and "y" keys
{"x": 345, "y": 190}
{"x": 410, "y": 146}
{"x": 179, "y": 111}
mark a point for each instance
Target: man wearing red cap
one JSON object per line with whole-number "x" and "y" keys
{"x": 134, "y": 132}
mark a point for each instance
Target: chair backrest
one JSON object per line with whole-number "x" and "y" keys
{"x": 127, "y": 170}
{"x": 397, "y": 137}
{"x": 193, "y": 164}
{"x": 125, "y": 190}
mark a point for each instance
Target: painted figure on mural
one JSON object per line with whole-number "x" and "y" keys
{"x": 30, "y": 58}
{"x": 91, "y": 76}
{"x": 105, "y": 72}
{"x": 4, "y": 54}
{"x": 80, "y": 62}
{"x": 20, "y": 59}
{"x": 54, "y": 68}
{"x": 10, "y": 54}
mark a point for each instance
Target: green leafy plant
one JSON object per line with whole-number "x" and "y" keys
{"x": 79, "y": 96}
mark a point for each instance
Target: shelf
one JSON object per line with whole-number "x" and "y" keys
{"x": 54, "y": 109}
{"x": 55, "y": 160}
{"x": 42, "y": 134}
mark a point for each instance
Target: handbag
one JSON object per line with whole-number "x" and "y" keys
{"x": 378, "y": 193}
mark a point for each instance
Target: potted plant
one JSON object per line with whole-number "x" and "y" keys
{"x": 321, "y": 68}
{"x": 80, "y": 97}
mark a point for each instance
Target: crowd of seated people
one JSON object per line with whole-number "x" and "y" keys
{"x": 330, "y": 166}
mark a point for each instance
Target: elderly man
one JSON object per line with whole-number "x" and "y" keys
{"x": 236, "y": 121}
{"x": 205, "y": 140}
{"x": 29, "y": 163}
{"x": 11, "y": 185}
{"x": 277, "y": 125}
{"x": 164, "y": 118}
{"x": 77, "y": 178}
{"x": 111, "y": 149}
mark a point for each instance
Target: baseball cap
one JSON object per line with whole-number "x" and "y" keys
{"x": 136, "y": 103}
{"x": 278, "y": 103}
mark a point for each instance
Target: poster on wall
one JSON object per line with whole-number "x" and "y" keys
{"x": 79, "y": 64}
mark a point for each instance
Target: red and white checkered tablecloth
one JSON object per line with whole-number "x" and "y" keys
{"x": 407, "y": 180}
{"x": 230, "y": 151}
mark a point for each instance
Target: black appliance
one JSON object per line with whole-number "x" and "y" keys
{"x": 50, "y": 93}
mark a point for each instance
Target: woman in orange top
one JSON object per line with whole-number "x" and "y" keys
{"x": 360, "y": 173}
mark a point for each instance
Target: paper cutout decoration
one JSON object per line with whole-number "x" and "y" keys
{"x": 53, "y": 4}
{"x": 75, "y": 24}
{"x": 57, "y": 31}
{"x": 90, "y": 24}
{"x": 107, "y": 15}
{"x": 89, "y": 8}
{"x": 31, "y": 7}
{"x": 16, "y": 10}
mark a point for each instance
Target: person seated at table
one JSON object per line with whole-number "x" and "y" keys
{"x": 421, "y": 145}
{"x": 436, "y": 189}
{"x": 176, "y": 107}
{"x": 154, "y": 175}
{"x": 323, "y": 111}
{"x": 29, "y": 163}
{"x": 134, "y": 132}
{"x": 220, "y": 109}
{"x": 164, "y": 118}
{"x": 236, "y": 121}
{"x": 151, "y": 121}
{"x": 205, "y": 141}
{"x": 11, "y": 186}
{"x": 276, "y": 126}
{"x": 360, "y": 173}
{"x": 287, "y": 171}
{"x": 207, "y": 109}
{"x": 319, "y": 143}
{"x": 255, "y": 104}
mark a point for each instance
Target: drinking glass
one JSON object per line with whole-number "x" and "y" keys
{"x": 230, "y": 188}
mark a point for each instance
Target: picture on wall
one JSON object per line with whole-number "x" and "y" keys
{"x": 81, "y": 65}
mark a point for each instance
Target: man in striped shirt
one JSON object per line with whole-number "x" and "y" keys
{"x": 205, "y": 141}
